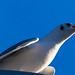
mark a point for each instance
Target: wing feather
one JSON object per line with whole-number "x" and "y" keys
{"x": 17, "y": 47}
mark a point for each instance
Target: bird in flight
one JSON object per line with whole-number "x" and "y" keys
{"x": 34, "y": 55}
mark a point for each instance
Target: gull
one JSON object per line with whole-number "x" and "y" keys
{"x": 34, "y": 55}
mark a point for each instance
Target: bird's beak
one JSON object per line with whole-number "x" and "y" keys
{"x": 72, "y": 26}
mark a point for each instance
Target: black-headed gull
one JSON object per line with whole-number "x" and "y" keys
{"x": 34, "y": 55}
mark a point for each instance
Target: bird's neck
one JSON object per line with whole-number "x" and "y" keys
{"x": 51, "y": 45}
{"x": 53, "y": 39}
{"x": 53, "y": 42}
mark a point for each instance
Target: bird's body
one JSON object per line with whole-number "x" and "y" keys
{"x": 37, "y": 56}
{"x": 25, "y": 61}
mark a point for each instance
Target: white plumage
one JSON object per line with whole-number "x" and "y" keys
{"x": 34, "y": 55}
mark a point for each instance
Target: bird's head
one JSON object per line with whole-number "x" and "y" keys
{"x": 64, "y": 31}
{"x": 61, "y": 33}
{"x": 67, "y": 27}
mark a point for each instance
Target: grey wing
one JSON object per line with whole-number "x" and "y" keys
{"x": 18, "y": 47}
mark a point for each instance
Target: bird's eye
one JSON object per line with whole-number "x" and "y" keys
{"x": 68, "y": 24}
{"x": 62, "y": 28}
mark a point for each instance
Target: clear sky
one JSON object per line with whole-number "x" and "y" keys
{"x": 23, "y": 19}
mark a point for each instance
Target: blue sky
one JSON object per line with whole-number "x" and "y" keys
{"x": 23, "y": 19}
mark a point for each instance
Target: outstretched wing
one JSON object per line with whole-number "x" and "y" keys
{"x": 17, "y": 47}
